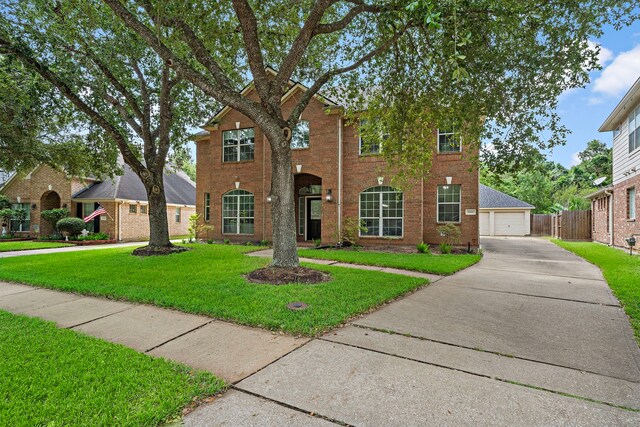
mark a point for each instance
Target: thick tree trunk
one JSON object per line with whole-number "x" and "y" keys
{"x": 285, "y": 253}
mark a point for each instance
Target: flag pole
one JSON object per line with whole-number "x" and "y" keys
{"x": 105, "y": 211}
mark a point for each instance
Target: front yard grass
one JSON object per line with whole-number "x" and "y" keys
{"x": 425, "y": 263}
{"x": 26, "y": 245}
{"x": 620, "y": 270}
{"x": 55, "y": 377}
{"x": 209, "y": 280}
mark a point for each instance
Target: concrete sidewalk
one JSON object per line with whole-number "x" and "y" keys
{"x": 11, "y": 254}
{"x": 228, "y": 350}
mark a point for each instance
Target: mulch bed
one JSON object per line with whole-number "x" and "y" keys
{"x": 283, "y": 276}
{"x": 394, "y": 249}
{"x": 155, "y": 251}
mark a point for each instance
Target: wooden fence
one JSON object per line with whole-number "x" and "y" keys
{"x": 541, "y": 224}
{"x": 565, "y": 225}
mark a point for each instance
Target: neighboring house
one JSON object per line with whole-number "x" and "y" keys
{"x": 124, "y": 198}
{"x": 336, "y": 177}
{"x": 615, "y": 208}
{"x": 503, "y": 215}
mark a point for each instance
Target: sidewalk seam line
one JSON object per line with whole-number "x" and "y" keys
{"x": 180, "y": 335}
{"x": 292, "y": 407}
{"x": 101, "y": 317}
{"x": 503, "y": 380}
{"x": 388, "y": 331}
{"x": 538, "y": 274}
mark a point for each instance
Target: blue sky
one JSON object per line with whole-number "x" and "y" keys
{"x": 584, "y": 110}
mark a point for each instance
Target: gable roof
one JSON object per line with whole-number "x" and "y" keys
{"x": 490, "y": 198}
{"x": 178, "y": 187}
{"x": 628, "y": 102}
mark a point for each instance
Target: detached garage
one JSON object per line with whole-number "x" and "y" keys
{"x": 503, "y": 215}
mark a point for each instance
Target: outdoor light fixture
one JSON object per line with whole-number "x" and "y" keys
{"x": 269, "y": 199}
{"x": 237, "y": 125}
{"x": 449, "y": 180}
{"x": 298, "y": 168}
{"x": 50, "y": 187}
{"x": 19, "y": 199}
{"x": 329, "y": 196}
{"x": 34, "y": 206}
{"x": 631, "y": 241}
{"x": 237, "y": 184}
{"x": 380, "y": 180}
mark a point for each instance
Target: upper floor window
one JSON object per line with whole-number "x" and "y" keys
{"x": 237, "y": 212}
{"x": 238, "y": 145}
{"x": 631, "y": 203}
{"x": 634, "y": 130}
{"x": 448, "y": 141}
{"x": 300, "y": 135}
{"x": 368, "y": 147}
{"x": 616, "y": 132}
{"x": 381, "y": 211}
{"x": 449, "y": 203}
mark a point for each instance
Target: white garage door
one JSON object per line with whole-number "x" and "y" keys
{"x": 510, "y": 224}
{"x": 484, "y": 224}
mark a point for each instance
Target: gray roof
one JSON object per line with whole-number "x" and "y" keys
{"x": 179, "y": 189}
{"x": 490, "y": 198}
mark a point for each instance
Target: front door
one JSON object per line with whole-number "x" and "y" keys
{"x": 314, "y": 217}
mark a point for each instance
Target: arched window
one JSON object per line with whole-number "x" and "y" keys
{"x": 237, "y": 212}
{"x": 381, "y": 211}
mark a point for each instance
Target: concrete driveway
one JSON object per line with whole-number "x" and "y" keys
{"x": 529, "y": 336}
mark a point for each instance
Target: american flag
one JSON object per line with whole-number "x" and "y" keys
{"x": 97, "y": 212}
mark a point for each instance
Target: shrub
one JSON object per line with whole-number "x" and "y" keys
{"x": 93, "y": 236}
{"x": 52, "y": 216}
{"x": 265, "y": 243}
{"x": 209, "y": 241}
{"x": 351, "y": 229}
{"x": 248, "y": 244}
{"x": 70, "y": 226}
{"x": 450, "y": 234}
{"x": 423, "y": 248}
{"x": 6, "y": 215}
{"x": 5, "y": 203}
{"x": 227, "y": 241}
{"x": 445, "y": 248}
{"x": 317, "y": 243}
{"x": 195, "y": 228}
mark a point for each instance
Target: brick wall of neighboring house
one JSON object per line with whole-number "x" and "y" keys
{"x": 319, "y": 164}
{"x": 624, "y": 227}
{"x": 600, "y": 219}
{"x": 135, "y": 226}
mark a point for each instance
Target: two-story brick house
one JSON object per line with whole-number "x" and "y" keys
{"x": 615, "y": 208}
{"x": 336, "y": 175}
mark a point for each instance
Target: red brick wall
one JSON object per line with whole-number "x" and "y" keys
{"x": 600, "y": 219}
{"x": 321, "y": 160}
{"x": 622, "y": 227}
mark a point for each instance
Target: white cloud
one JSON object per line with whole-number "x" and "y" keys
{"x": 594, "y": 101}
{"x": 605, "y": 55}
{"x": 575, "y": 159}
{"x": 618, "y": 76}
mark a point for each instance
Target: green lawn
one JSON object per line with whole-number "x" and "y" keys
{"x": 55, "y": 377}
{"x": 208, "y": 280}
{"x": 620, "y": 270}
{"x": 27, "y": 245}
{"x": 435, "y": 264}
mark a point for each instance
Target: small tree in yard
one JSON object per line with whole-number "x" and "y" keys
{"x": 450, "y": 234}
{"x": 70, "y": 226}
{"x": 425, "y": 64}
{"x": 5, "y": 219}
{"x": 20, "y": 217}
{"x": 4, "y": 202}
{"x": 195, "y": 228}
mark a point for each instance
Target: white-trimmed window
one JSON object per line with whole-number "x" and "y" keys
{"x": 178, "y": 214}
{"x": 133, "y": 209}
{"x": 634, "y": 130}
{"x": 631, "y": 203}
{"x": 237, "y": 212}
{"x": 381, "y": 212}
{"x": 207, "y": 206}
{"x": 238, "y": 145}
{"x": 143, "y": 209}
{"x": 15, "y": 226}
{"x": 449, "y": 203}
{"x": 449, "y": 141}
{"x": 300, "y": 135}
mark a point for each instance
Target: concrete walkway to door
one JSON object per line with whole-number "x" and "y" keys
{"x": 529, "y": 336}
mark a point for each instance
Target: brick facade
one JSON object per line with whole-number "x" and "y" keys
{"x": 319, "y": 164}
{"x": 46, "y": 188}
{"x": 623, "y": 226}
{"x": 600, "y": 219}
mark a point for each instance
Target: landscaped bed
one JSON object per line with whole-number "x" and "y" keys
{"x": 55, "y": 377}
{"x": 210, "y": 280}
{"x": 27, "y": 245}
{"x": 620, "y": 270}
{"x": 426, "y": 263}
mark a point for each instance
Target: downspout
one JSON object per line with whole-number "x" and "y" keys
{"x": 610, "y": 219}
{"x": 339, "y": 175}
{"x": 120, "y": 221}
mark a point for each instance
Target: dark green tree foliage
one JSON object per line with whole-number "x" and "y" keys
{"x": 551, "y": 187}
{"x": 70, "y": 226}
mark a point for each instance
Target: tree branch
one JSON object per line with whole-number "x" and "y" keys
{"x": 341, "y": 24}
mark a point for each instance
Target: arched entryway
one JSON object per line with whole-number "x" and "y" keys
{"x": 308, "y": 190}
{"x": 49, "y": 200}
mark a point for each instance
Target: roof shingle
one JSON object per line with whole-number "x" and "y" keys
{"x": 490, "y": 198}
